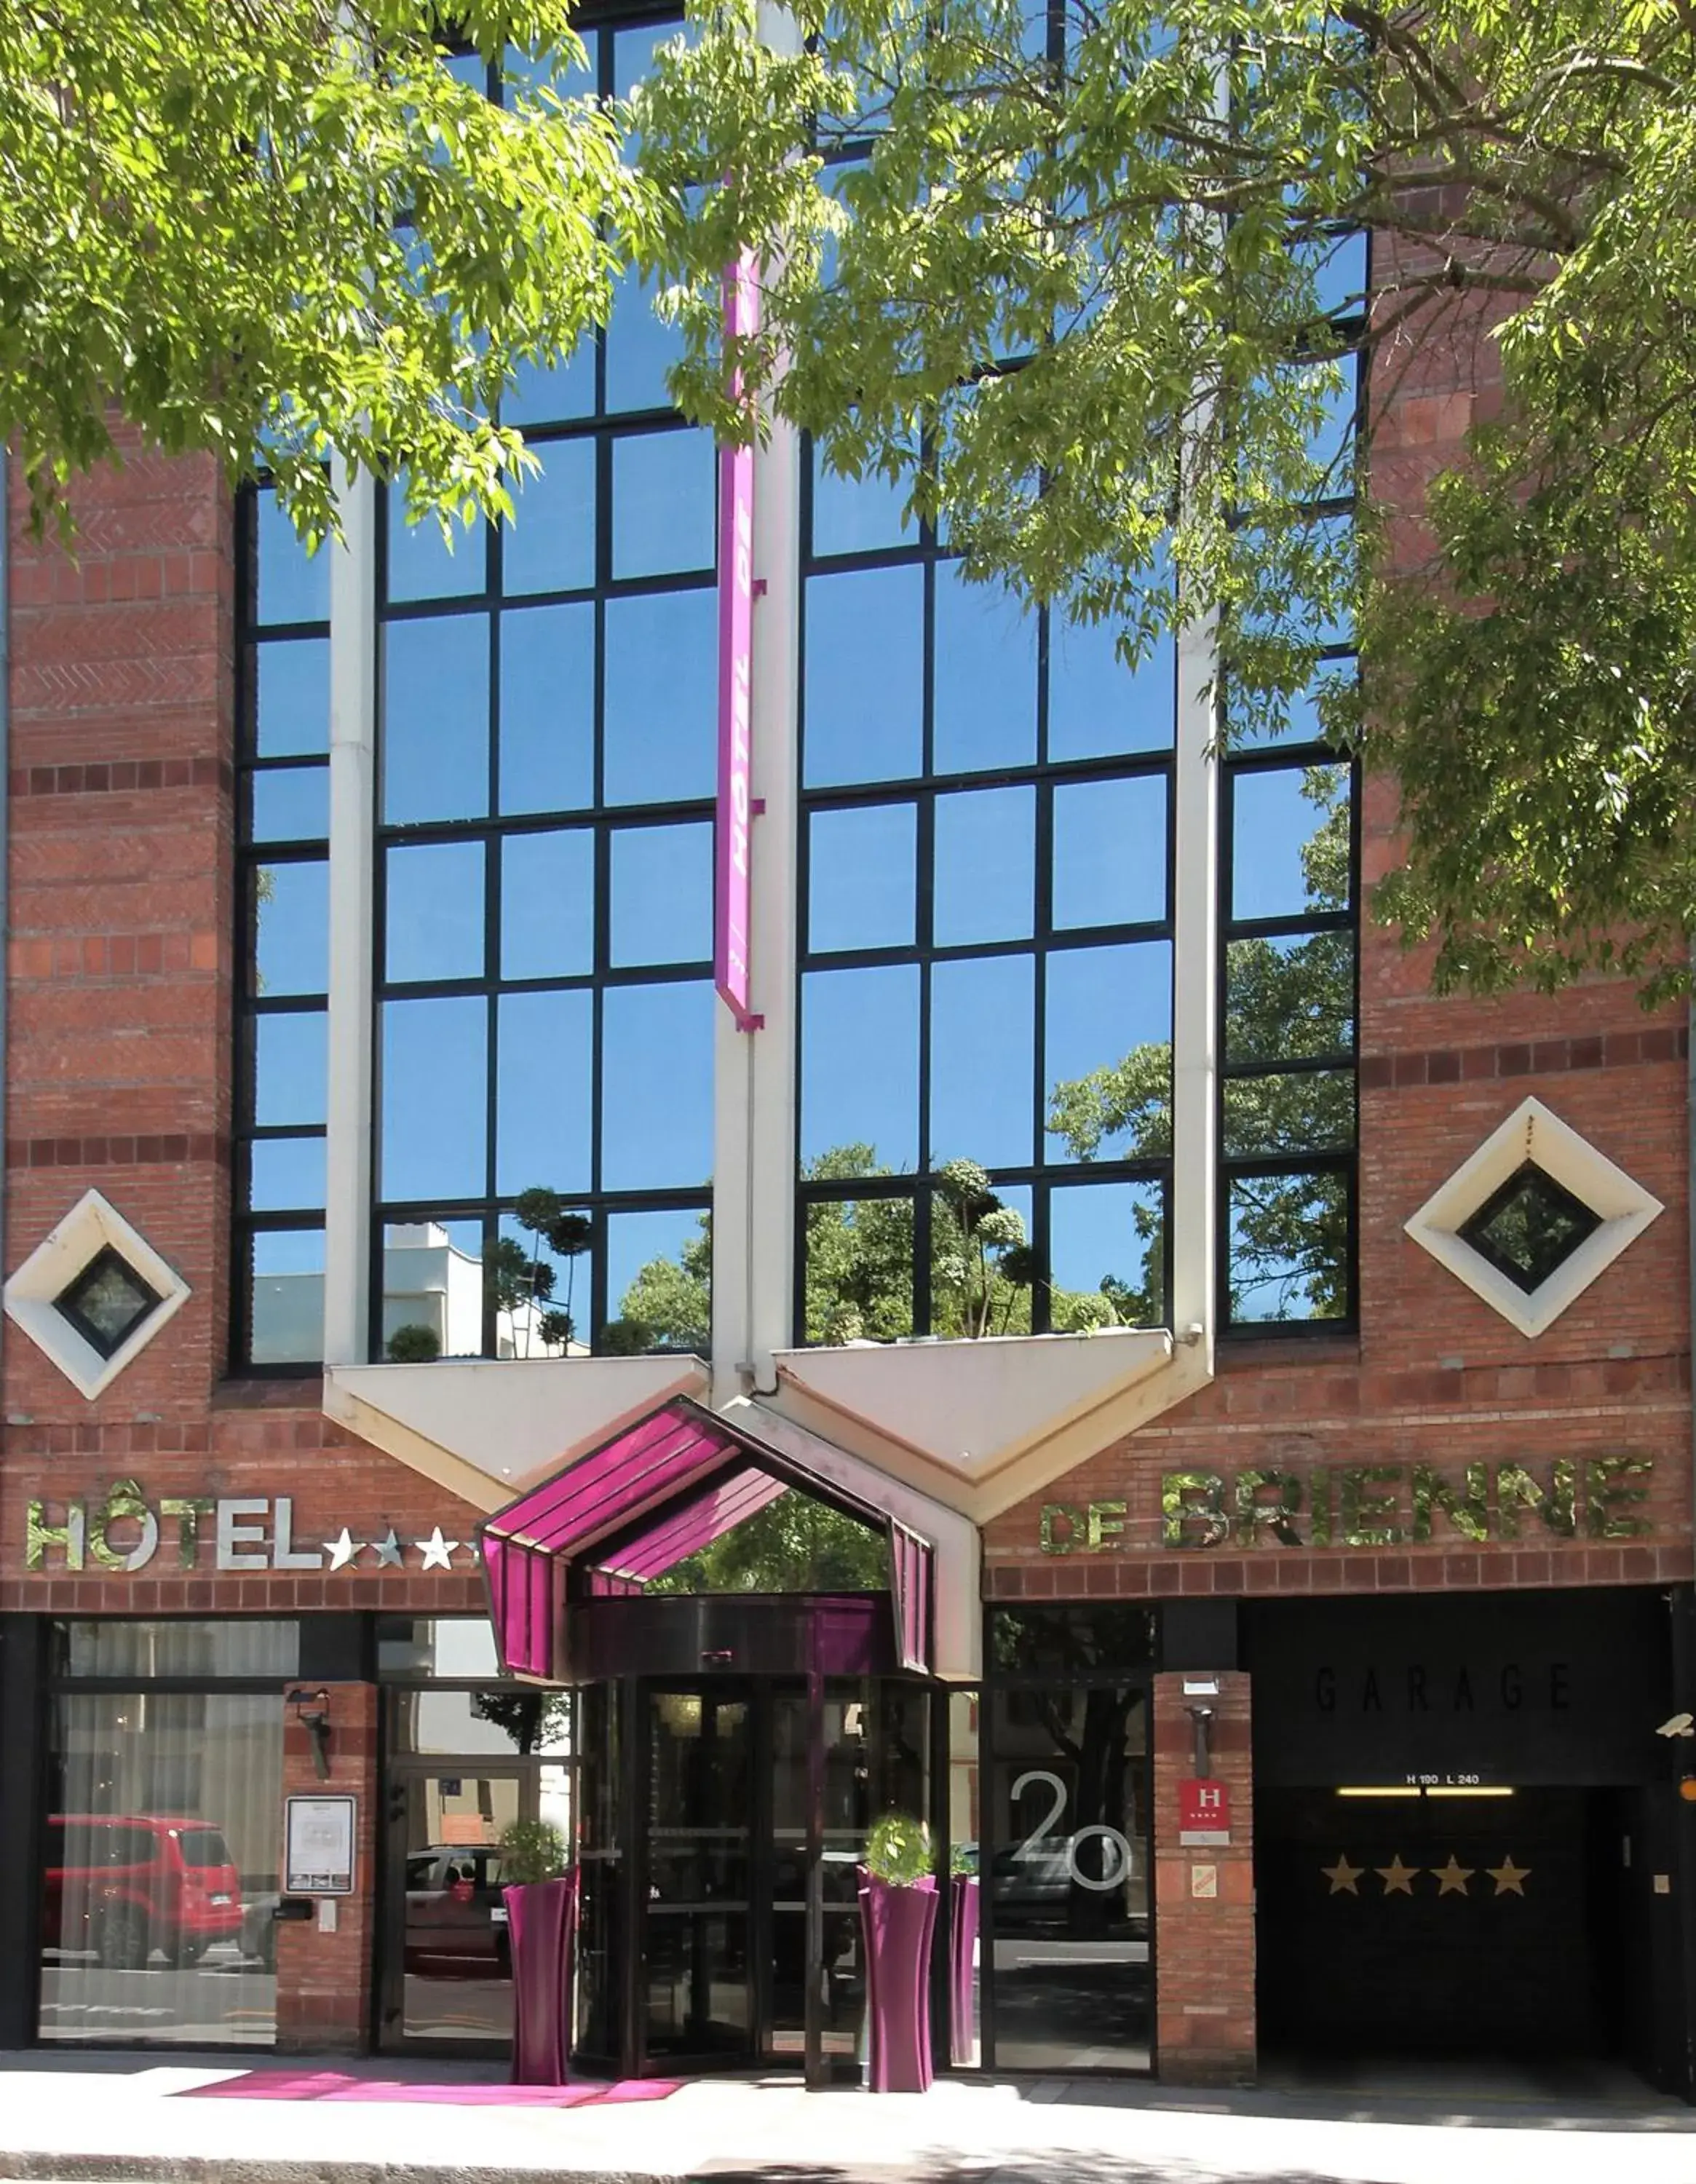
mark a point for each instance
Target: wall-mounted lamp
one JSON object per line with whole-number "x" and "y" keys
{"x": 312, "y": 1710}
{"x": 1201, "y": 1721}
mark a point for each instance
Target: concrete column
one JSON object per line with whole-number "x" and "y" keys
{"x": 1204, "y": 1894}
{"x": 352, "y": 855}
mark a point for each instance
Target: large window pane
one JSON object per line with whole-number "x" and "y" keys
{"x": 294, "y": 585}
{"x": 859, "y": 1069}
{"x": 542, "y": 1293}
{"x": 284, "y": 1270}
{"x": 859, "y": 1269}
{"x": 659, "y": 1283}
{"x": 662, "y": 503}
{"x": 550, "y": 545}
{"x": 864, "y": 686}
{"x": 435, "y": 1099}
{"x": 1302, "y": 1112}
{"x": 292, "y": 911}
{"x": 1110, "y": 852}
{"x": 287, "y": 1175}
{"x": 857, "y": 516}
{"x": 985, "y": 700}
{"x": 982, "y": 1274}
{"x": 985, "y": 875}
{"x": 293, "y": 683}
{"x": 548, "y": 905}
{"x": 159, "y": 1867}
{"x": 1288, "y": 1246}
{"x": 1289, "y": 841}
{"x": 661, "y": 719}
{"x": 291, "y": 1076}
{"x": 982, "y": 1055}
{"x": 435, "y": 912}
{"x": 640, "y": 346}
{"x": 547, "y": 709}
{"x": 662, "y": 895}
{"x": 1106, "y": 1248}
{"x": 543, "y": 1094}
{"x": 551, "y": 394}
{"x": 657, "y": 1086}
{"x": 433, "y": 1279}
{"x": 1098, "y": 708}
{"x": 436, "y": 719}
{"x": 291, "y": 803}
{"x": 423, "y": 564}
{"x": 1289, "y": 999}
{"x": 860, "y": 878}
{"x": 1109, "y": 1010}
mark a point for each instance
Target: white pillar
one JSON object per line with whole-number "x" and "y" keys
{"x": 1195, "y": 984}
{"x": 754, "y": 1104}
{"x": 352, "y": 855}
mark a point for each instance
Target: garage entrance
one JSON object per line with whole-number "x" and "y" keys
{"x": 1463, "y": 1829}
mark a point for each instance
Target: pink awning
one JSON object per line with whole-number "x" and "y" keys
{"x": 633, "y": 1508}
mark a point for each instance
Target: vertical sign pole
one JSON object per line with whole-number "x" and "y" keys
{"x": 730, "y": 853}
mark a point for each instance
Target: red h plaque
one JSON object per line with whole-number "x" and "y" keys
{"x": 1203, "y": 1813}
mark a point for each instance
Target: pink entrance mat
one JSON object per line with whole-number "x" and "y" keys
{"x": 337, "y": 2086}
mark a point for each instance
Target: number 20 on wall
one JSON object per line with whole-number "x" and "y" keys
{"x": 1115, "y": 1850}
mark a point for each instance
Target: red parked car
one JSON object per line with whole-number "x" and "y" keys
{"x": 125, "y": 1887}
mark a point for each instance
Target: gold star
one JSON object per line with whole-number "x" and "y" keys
{"x": 1342, "y": 1876}
{"x": 1510, "y": 1879}
{"x": 1398, "y": 1879}
{"x": 1452, "y": 1879}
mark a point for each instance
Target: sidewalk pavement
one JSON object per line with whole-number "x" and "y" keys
{"x": 106, "y": 2117}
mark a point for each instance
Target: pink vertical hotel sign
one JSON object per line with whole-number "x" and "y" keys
{"x": 735, "y": 648}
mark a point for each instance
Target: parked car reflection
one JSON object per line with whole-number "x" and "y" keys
{"x": 127, "y": 1887}
{"x": 456, "y": 1924}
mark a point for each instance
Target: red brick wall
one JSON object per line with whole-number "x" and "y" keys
{"x": 323, "y": 1990}
{"x": 1205, "y": 1943}
{"x": 1435, "y": 1376}
{"x": 121, "y": 947}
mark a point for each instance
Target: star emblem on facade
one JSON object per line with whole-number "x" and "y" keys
{"x": 1342, "y": 1876}
{"x": 1510, "y": 1879}
{"x": 437, "y": 1552}
{"x": 1452, "y": 1879}
{"x": 1398, "y": 1879}
{"x": 342, "y": 1549}
{"x": 388, "y": 1551}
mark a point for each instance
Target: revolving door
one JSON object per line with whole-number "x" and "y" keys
{"x": 721, "y": 1820}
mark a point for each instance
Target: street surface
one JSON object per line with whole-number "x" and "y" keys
{"x": 90, "y": 2117}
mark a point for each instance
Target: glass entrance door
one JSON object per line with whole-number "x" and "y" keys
{"x": 448, "y": 1978}
{"x": 697, "y": 1987}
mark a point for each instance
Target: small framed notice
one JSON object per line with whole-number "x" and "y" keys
{"x": 317, "y": 1846}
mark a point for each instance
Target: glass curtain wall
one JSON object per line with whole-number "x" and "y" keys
{"x": 160, "y": 1835}
{"x": 283, "y": 892}
{"x": 547, "y": 704}
{"x": 986, "y": 948}
{"x": 1289, "y": 919}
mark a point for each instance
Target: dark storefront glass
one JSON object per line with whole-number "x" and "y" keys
{"x": 1067, "y": 1863}
{"x": 159, "y": 1850}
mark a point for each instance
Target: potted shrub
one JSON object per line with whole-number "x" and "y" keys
{"x": 898, "y": 1909}
{"x": 540, "y": 1893}
{"x": 962, "y": 1954}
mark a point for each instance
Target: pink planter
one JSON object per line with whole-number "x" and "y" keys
{"x": 962, "y": 1948}
{"x": 541, "y": 1929}
{"x": 899, "y": 1924}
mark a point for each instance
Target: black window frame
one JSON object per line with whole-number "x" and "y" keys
{"x": 604, "y": 429}
{"x": 926, "y": 551}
